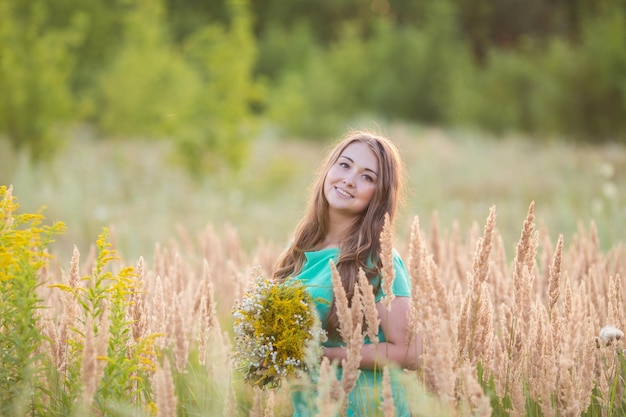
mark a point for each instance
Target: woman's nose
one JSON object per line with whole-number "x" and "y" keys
{"x": 348, "y": 179}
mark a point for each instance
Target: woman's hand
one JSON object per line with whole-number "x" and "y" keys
{"x": 396, "y": 350}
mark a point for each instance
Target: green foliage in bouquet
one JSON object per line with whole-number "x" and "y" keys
{"x": 273, "y": 324}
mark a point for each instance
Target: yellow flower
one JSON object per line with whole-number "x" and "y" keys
{"x": 273, "y": 323}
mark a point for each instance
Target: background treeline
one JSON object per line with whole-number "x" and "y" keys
{"x": 209, "y": 75}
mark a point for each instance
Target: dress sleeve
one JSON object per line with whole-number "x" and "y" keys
{"x": 401, "y": 283}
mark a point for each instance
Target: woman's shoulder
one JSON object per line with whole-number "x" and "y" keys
{"x": 397, "y": 258}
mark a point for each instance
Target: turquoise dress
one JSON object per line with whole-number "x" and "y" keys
{"x": 365, "y": 399}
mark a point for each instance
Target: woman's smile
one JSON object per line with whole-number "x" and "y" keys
{"x": 343, "y": 192}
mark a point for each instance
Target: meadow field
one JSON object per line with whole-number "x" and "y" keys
{"x": 515, "y": 249}
{"x": 132, "y": 187}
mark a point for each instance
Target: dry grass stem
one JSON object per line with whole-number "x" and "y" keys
{"x": 352, "y": 362}
{"x": 159, "y": 318}
{"x": 415, "y": 273}
{"x": 180, "y": 342}
{"x": 554, "y": 277}
{"x": 475, "y": 327}
{"x": 89, "y": 365}
{"x": 484, "y": 333}
{"x": 388, "y": 407}
{"x": 615, "y": 306}
{"x": 230, "y": 402}
{"x": 269, "y": 405}
{"x": 480, "y": 267}
{"x": 166, "y": 401}
{"x": 524, "y": 244}
{"x": 369, "y": 307}
{"x": 435, "y": 243}
{"x": 257, "y": 405}
{"x": 388, "y": 272}
{"x": 138, "y": 314}
{"x": 532, "y": 325}
{"x": 473, "y": 400}
{"x": 330, "y": 394}
{"x": 341, "y": 299}
{"x": 357, "y": 309}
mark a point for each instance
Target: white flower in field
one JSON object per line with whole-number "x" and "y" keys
{"x": 610, "y": 333}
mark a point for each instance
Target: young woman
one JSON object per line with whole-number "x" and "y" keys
{"x": 360, "y": 181}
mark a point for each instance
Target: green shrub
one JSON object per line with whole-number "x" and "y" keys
{"x": 310, "y": 103}
{"x": 419, "y": 66}
{"x": 221, "y": 125}
{"x": 284, "y": 50}
{"x": 36, "y": 63}
{"x": 562, "y": 88}
{"x": 500, "y": 98}
{"x": 31, "y": 382}
{"x": 198, "y": 95}
{"x": 390, "y": 71}
{"x": 23, "y": 244}
{"x": 105, "y": 303}
{"x": 148, "y": 90}
{"x": 592, "y": 100}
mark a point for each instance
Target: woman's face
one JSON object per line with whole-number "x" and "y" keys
{"x": 352, "y": 180}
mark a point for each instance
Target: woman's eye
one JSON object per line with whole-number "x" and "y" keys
{"x": 344, "y": 164}
{"x": 368, "y": 178}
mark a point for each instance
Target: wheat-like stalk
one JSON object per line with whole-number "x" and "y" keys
{"x": 530, "y": 326}
{"x": 369, "y": 307}
{"x": 330, "y": 393}
{"x": 416, "y": 274}
{"x": 352, "y": 362}
{"x": 344, "y": 313}
{"x": 88, "y": 369}
{"x": 166, "y": 401}
{"x": 386, "y": 255}
{"x": 269, "y": 405}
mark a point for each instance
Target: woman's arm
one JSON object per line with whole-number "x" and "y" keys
{"x": 396, "y": 349}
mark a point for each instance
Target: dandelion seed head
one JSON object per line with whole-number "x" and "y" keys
{"x": 610, "y": 333}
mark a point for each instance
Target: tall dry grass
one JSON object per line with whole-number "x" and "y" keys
{"x": 504, "y": 334}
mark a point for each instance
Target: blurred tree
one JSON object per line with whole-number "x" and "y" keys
{"x": 475, "y": 18}
{"x": 102, "y": 37}
{"x": 35, "y": 70}
{"x": 283, "y": 50}
{"x": 592, "y": 104}
{"x": 198, "y": 92}
{"x": 325, "y": 17}
{"x": 185, "y": 17}
{"x": 189, "y": 70}
{"x": 221, "y": 124}
{"x": 572, "y": 14}
{"x": 148, "y": 88}
{"x": 418, "y": 64}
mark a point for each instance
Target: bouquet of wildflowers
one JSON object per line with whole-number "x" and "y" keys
{"x": 273, "y": 323}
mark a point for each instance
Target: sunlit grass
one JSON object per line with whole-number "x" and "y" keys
{"x": 132, "y": 187}
{"x": 145, "y": 339}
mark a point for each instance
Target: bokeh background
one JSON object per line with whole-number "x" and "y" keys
{"x": 159, "y": 118}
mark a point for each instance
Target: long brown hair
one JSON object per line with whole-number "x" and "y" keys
{"x": 360, "y": 245}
